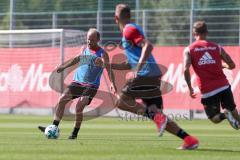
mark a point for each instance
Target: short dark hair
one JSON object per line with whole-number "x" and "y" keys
{"x": 123, "y": 11}
{"x": 200, "y": 27}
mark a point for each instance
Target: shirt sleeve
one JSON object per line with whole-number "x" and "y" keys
{"x": 132, "y": 34}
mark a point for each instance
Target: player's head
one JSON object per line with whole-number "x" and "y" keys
{"x": 122, "y": 13}
{"x": 200, "y": 29}
{"x": 93, "y": 37}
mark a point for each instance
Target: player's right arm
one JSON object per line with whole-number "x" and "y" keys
{"x": 228, "y": 62}
{"x": 70, "y": 62}
{"x": 187, "y": 75}
{"x": 110, "y": 72}
{"x": 121, "y": 66}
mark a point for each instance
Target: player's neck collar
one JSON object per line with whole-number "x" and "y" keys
{"x": 95, "y": 50}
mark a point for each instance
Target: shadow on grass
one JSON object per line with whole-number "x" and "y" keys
{"x": 218, "y": 150}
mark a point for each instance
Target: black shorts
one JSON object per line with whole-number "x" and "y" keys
{"x": 145, "y": 88}
{"x": 212, "y": 105}
{"x": 77, "y": 90}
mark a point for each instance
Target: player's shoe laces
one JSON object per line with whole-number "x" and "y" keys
{"x": 161, "y": 122}
{"x": 41, "y": 128}
{"x": 190, "y": 143}
{"x": 233, "y": 122}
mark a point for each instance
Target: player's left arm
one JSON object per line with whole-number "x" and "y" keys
{"x": 229, "y": 64}
{"x": 133, "y": 34}
{"x": 187, "y": 64}
{"x": 107, "y": 65}
{"x": 70, "y": 62}
{"x": 147, "y": 48}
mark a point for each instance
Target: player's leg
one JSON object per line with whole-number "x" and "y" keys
{"x": 59, "y": 108}
{"x": 212, "y": 108}
{"x": 155, "y": 105}
{"x": 82, "y": 102}
{"x": 87, "y": 95}
{"x": 71, "y": 92}
{"x": 128, "y": 103}
{"x": 190, "y": 142}
{"x": 227, "y": 102}
{"x": 136, "y": 88}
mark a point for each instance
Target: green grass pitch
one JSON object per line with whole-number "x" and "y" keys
{"x": 113, "y": 139}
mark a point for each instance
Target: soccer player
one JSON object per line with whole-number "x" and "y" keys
{"x": 144, "y": 79}
{"x": 86, "y": 80}
{"x": 206, "y": 59}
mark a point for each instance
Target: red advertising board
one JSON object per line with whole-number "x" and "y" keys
{"x": 25, "y": 72}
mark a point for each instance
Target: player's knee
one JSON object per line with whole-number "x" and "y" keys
{"x": 123, "y": 103}
{"x": 84, "y": 100}
{"x": 64, "y": 99}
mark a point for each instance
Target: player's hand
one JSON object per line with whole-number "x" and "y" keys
{"x": 60, "y": 69}
{"x": 192, "y": 94}
{"x": 224, "y": 65}
{"x": 99, "y": 62}
{"x": 113, "y": 88}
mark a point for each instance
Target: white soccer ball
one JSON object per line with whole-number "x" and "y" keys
{"x": 52, "y": 132}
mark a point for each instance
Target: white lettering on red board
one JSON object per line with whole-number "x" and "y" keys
{"x": 34, "y": 79}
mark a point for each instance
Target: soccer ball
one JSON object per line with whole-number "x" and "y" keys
{"x": 52, "y": 132}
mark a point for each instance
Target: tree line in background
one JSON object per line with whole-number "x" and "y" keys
{"x": 83, "y": 5}
{"x": 163, "y": 19}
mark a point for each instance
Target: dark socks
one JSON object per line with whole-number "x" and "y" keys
{"x": 56, "y": 123}
{"x": 75, "y": 131}
{"x": 150, "y": 114}
{"x": 182, "y": 134}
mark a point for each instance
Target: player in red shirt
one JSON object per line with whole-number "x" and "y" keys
{"x": 206, "y": 59}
